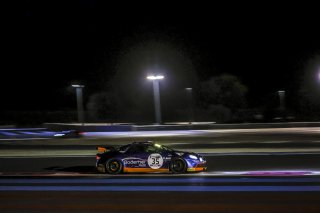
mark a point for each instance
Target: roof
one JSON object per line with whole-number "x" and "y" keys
{"x": 143, "y": 142}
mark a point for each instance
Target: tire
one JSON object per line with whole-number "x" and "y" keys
{"x": 178, "y": 166}
{"x": 114, "y": 166}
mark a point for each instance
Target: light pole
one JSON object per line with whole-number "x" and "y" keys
{"x": 79, "y": 102}
{"x": 282, "y": 94}
{"x": 189, "y": 96}
{"x": 282, "y": 107}
{"x": 156, "y": 95}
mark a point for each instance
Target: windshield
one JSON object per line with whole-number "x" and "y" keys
{"x": 166, "y": 148}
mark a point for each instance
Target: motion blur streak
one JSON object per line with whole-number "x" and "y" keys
{"x": 165, "y": 185}
{"x": 160, "y": 180}
{"x": 167, "y": 188}
{"x": 202, "y": 132}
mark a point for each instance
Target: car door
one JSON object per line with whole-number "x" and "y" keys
{"x": 135, "y": 157}
{"x": 158, "y": 158}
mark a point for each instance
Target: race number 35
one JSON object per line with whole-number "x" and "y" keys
{"x": 155, "y": 161}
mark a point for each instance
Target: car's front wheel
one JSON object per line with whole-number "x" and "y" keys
{"x": 114, "y": 166}
{"x": 178, "y": 165}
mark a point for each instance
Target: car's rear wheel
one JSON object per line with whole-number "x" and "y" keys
{"x": 114, "y": 166}
{"x": 178, "y": 166}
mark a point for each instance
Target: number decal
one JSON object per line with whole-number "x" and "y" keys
{"x": 155, "y": 161}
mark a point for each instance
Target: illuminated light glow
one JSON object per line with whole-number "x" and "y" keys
{"x": 155, "y": 77}
{"x": 158, "y": 145}
{"x": 59, "y": 135}
{"x": 193, "y": 157}
{"x": 77, "y": 85}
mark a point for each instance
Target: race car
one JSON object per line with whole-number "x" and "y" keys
{"x": 145, "y": 157}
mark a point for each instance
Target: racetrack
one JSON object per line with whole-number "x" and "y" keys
{"x": 218, "y": 164}
{"x": 160, "y": 194}
{"x": 262, "y": 170}
{"x": 230, "y": 150}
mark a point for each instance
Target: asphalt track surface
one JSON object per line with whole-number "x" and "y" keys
{"x": 256, "y": 170}
{"x": 217, "y": 164}
{"x": 222, "y": 202}
{"x": 160, "y": 194}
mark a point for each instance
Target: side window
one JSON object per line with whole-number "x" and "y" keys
{"x": 136, "y": 149}
{"x": 124, "y": 148}
{"x": 153, "y": 149}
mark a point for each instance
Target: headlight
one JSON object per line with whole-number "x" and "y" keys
{"x": 201, "y": 159}
{"x": 193, "y": 157}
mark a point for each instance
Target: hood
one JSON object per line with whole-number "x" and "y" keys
{"x": 184, "y": 153}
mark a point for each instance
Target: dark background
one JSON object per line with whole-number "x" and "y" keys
{"x": 47, "y": 45}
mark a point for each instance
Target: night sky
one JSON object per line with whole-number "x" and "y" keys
{"x": 48, "y": 45}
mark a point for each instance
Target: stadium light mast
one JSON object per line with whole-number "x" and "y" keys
{"x": 190, "y": 100}
{"x": 79, "y": 102}
{"x": 156, "y": 95}
{"x": 282, "y": 94}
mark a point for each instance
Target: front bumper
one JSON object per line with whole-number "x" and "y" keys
{"x": 199, "y": 168}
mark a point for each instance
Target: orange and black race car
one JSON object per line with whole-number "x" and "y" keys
{"x": 143, "y": 157}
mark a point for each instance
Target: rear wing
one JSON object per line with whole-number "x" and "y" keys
{"x": 103, "y": 149}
